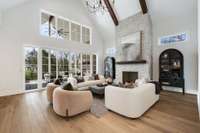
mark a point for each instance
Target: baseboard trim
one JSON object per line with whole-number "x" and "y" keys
{"x": 18, "y": 92}
{"x": 173, "y": 89}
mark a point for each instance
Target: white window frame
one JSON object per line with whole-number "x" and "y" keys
{"x": 70, "y": 22}
{"x": 39, "y": 64}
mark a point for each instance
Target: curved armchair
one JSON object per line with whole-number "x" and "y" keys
{"x": 50, "y": 90}
{"x": 70, "y": 103}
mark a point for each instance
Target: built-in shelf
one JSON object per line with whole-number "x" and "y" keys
{"x": 132, "y": 62}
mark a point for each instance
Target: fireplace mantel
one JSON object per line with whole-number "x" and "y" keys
{"x": 131, "y": 62}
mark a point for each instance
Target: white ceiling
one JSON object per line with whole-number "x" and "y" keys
{"x": 5, "y": 4}
{"x": 162, "y": 10}
{"x": 126, "y": 8}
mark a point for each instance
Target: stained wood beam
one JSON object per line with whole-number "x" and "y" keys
{"x": 143, "y": 5}
{"x": 111, "y": 12}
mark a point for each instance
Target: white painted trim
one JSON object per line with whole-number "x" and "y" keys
{"x": 193, "y": 92}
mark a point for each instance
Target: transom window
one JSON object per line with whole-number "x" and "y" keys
{"x": 62, "y": 28}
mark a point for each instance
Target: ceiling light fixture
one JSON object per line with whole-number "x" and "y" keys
{"x": 95, "y": 6}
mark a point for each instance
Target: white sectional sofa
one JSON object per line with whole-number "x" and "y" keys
{"x": 87, "y": 83}
{"x": 130, "y": 102}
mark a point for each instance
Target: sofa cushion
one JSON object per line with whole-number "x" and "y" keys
{"x": 90, "y": 83}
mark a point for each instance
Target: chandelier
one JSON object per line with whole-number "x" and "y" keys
{"x": 97, "y": 6}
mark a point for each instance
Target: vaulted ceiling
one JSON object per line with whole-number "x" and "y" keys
{"x": 160, "y": 10}
{"x": 5, "y": 4}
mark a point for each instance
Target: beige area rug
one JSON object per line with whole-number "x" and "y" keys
{"x": 98, "y": 108}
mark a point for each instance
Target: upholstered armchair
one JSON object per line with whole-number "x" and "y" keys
{"x": 50, "y": 90}
{"x": 70, "y": 103}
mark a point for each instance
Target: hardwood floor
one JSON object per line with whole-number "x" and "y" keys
{"x": 31, "y": 113}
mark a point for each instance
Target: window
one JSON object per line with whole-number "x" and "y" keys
{"x": 53, "y": 65}
{"x": 75, "y": 32}
{"x": 85, "y": 35}
{"x": 45, "y": 62}
{"x": 173, "y": 39}
{"x": 31, "y": 68}
{"x": 72, "y": 63}
{"x": 94, "y": 64}
{"x": 48, "y": 25}
{"x": 85, "y": 64}
{"x": 63, "y": 64}
{"x": 63, "y": 29}
{"x": 78, "y": 64}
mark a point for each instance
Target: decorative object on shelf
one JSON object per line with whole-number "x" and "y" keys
{"x": 182, "y": 37}
{"x": 97, "y": 6}
{"x": 109, "y": 67}
{"x": 171, "y": 69}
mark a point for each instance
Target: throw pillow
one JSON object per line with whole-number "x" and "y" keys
{"x": 91, "y": 78}
{"x": 72, "y": 80}
{"x": 57, "y": 82}
{"x": 96, "y": 77}
{"x": 140, "y": 82}
{"x": 79, "y": 79}
{"x": 67, "y": 86}
{"x": 86, "y": 78}
{"x": 101, "y": 77}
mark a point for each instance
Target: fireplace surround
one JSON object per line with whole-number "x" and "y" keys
{"x": 128, "y": 76}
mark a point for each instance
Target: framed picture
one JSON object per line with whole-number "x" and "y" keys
{"x": 171, "y": 39}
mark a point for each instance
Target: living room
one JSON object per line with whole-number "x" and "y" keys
{"x": 99, "y": 66}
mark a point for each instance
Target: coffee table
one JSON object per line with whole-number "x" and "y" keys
{"x": 98, "y": 89}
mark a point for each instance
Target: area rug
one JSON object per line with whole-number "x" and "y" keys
{"x": 98, "y": 108}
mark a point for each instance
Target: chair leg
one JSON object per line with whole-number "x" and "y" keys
{"x": 67, "y": 116}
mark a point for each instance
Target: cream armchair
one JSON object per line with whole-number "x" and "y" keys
{"x": 130, "y": 102}
{"x": 50, "y": 89}
{"x": 70, "y": 103}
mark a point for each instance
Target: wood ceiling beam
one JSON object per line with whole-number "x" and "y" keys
{"x": 111, "y": 12}
{"x": 143, "y": 5}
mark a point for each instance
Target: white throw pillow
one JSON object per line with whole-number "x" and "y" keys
{"x": 73, "y": 81}
{"x": 140, "y": 82}
{"x": 86, "y": 78}
{"x": 101, "y": 77}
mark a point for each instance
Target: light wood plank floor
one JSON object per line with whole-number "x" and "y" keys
{"x": 31, "y": 113}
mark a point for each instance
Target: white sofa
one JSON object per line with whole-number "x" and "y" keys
{"x": 130, "y": 102}
{"x": 86, "y": 84}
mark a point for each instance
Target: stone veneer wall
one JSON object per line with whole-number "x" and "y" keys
{"x": 142, "y": 70}
{"x": 138, "y": 22}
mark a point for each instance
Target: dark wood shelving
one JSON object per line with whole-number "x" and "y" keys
{"x": 171, "y": 69}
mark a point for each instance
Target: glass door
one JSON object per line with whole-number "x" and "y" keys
{"x": 31, "y": 68}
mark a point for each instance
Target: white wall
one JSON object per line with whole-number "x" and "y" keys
{"x": 21, "y": 27}
{"x": 189, "y": 49}
{"x": 199, "y": 57}
{"x": 0, "y": 18}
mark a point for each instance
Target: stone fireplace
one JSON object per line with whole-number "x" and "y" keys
{"x": 142, "y": 71}
{"x": 142, "y": 65}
